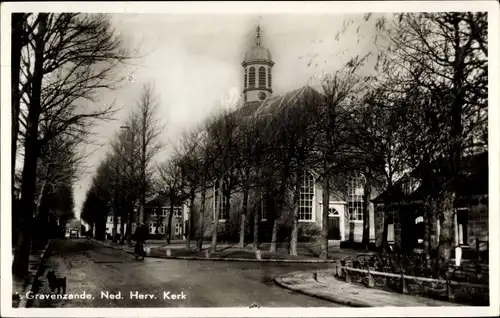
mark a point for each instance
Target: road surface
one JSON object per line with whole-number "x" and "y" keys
{"x": 99, "y": 272}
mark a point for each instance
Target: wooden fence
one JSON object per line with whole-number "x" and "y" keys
{"x": 345, "y": 272}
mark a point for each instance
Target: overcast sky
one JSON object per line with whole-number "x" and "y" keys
{"x": 194, "y": 62}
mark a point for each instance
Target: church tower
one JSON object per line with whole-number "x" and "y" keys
{"x": 257, "y": 81}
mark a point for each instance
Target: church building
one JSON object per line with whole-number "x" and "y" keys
{"x": 345, "y": 218}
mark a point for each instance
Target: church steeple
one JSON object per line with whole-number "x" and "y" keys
{"x": 257, "y": 38}
{"x": 257, "y": 81}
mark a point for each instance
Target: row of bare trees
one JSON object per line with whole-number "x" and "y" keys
{"x": 425, "y": 108}
{"x": 60, "y": 64}
{"x": 427, "y": 104}
{"x": 125, "y": 178}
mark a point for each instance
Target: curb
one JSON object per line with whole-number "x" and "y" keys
{"x": 25, "y": 303}
{"x": 279, "y": 282}
{"x": 196, "y": 258}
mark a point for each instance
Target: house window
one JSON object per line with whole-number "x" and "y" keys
{"x": 177, "y": 211}
{"x": 262, "y": 77}
{"x": 306, "y": 197}
{"x": 153, "y": 212}
{"x": 111, "y": 219}
{"x": 355, "y": 198}
{"x": 159, "y": 228}
{"x": 177, "y": 228}
{"x": 332, "y": 212}
{"x": 251, "y": 77}
{"x": 156, "y": 228}
{"x": 462, "y": 220}
{"x": 164, "y": 212}
{"x": 222, "y": 207}
{"x": 269, "y": 78}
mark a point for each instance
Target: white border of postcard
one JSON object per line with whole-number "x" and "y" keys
{"x": 258, "y": 8}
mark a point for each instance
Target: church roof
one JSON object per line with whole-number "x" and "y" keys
{"x": 275, "y": 104}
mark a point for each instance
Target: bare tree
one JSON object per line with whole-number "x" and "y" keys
{"x": 191, "y": 166}
{"x": 172, "y": 185}
{"x": 445, "y": 62}
{"x": 69, "y": 58}
{"x": 221, "y": 132}
{"x": 334, "y": 147}
{"x": 149, "y": 130}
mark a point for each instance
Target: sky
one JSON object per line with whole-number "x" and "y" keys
{"x": 194, "y": 63}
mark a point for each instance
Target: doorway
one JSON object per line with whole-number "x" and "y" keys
{"x": 333, "y": 224}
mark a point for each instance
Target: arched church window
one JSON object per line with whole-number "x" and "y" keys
{"x": 262, "y": 77}
{"x": 355, "y": 197}
{"x": 251, "y": 77}
{"x": 245, "y": 79}
{"x": 306, "y": 197}
{"x": 269, "y": 78}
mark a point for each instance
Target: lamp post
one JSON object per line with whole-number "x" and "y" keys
{"x": 131, "y": 209}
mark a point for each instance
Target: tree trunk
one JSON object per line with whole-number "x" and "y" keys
{"x": 115, "y": 223}
{"x": 122, "y": 228}
{"x": 366, "y": 214}
{"x": 295, "y": 217}
{"x": 17, "y": 23}
{"x": 243, "y": 218}
{"x": 324, "y": 221}
{"x": 32, "y": 152}
{"x": 201, "y": 220}
{"x": 213, "y": 247}
{"x": 385, "y": 231}
{"x": 447, "y": 233}
{"x": 256, "y": 221}
{"x": 169, "y": 226}
{"x": 227, "y": 209}
{"x": 129, "y": 224}
{"x": 189, "y": 228}
{"x": 276, "y": 216}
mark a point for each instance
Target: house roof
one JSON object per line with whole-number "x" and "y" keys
{"x": 473, "y": 182}
{"x": 159, "y": 200}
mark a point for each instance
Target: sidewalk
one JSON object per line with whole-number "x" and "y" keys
{"x": 22, "y": 286}
{"x": 226, "y": 252}
{"x": 323, "y": 284}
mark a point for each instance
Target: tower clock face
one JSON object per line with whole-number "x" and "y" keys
{"x": 262, "y": 95}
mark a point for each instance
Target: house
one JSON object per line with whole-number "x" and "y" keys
{"x": 156, "y": 214}
{"x": 110, "y": 223}
{"x": 405, "y": 204}
{"x": 345, "y": 218}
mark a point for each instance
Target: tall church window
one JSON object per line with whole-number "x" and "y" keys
{"x": 222, "y": 207}
{"x": 355, "y": 198}
{"x": 262, "y": 77}
{"x": 306, "y": 197}
{"x": 245, "y": 78}
{"x": 251, "y": 77}
{"x": 269, "y": 78}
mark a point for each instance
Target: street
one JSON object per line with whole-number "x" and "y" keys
{"x": 103, "y": 273}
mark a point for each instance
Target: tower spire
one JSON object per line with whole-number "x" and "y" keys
{"x": 257, "y": 39}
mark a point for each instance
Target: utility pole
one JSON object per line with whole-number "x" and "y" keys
{"x": 142, "y": 202}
